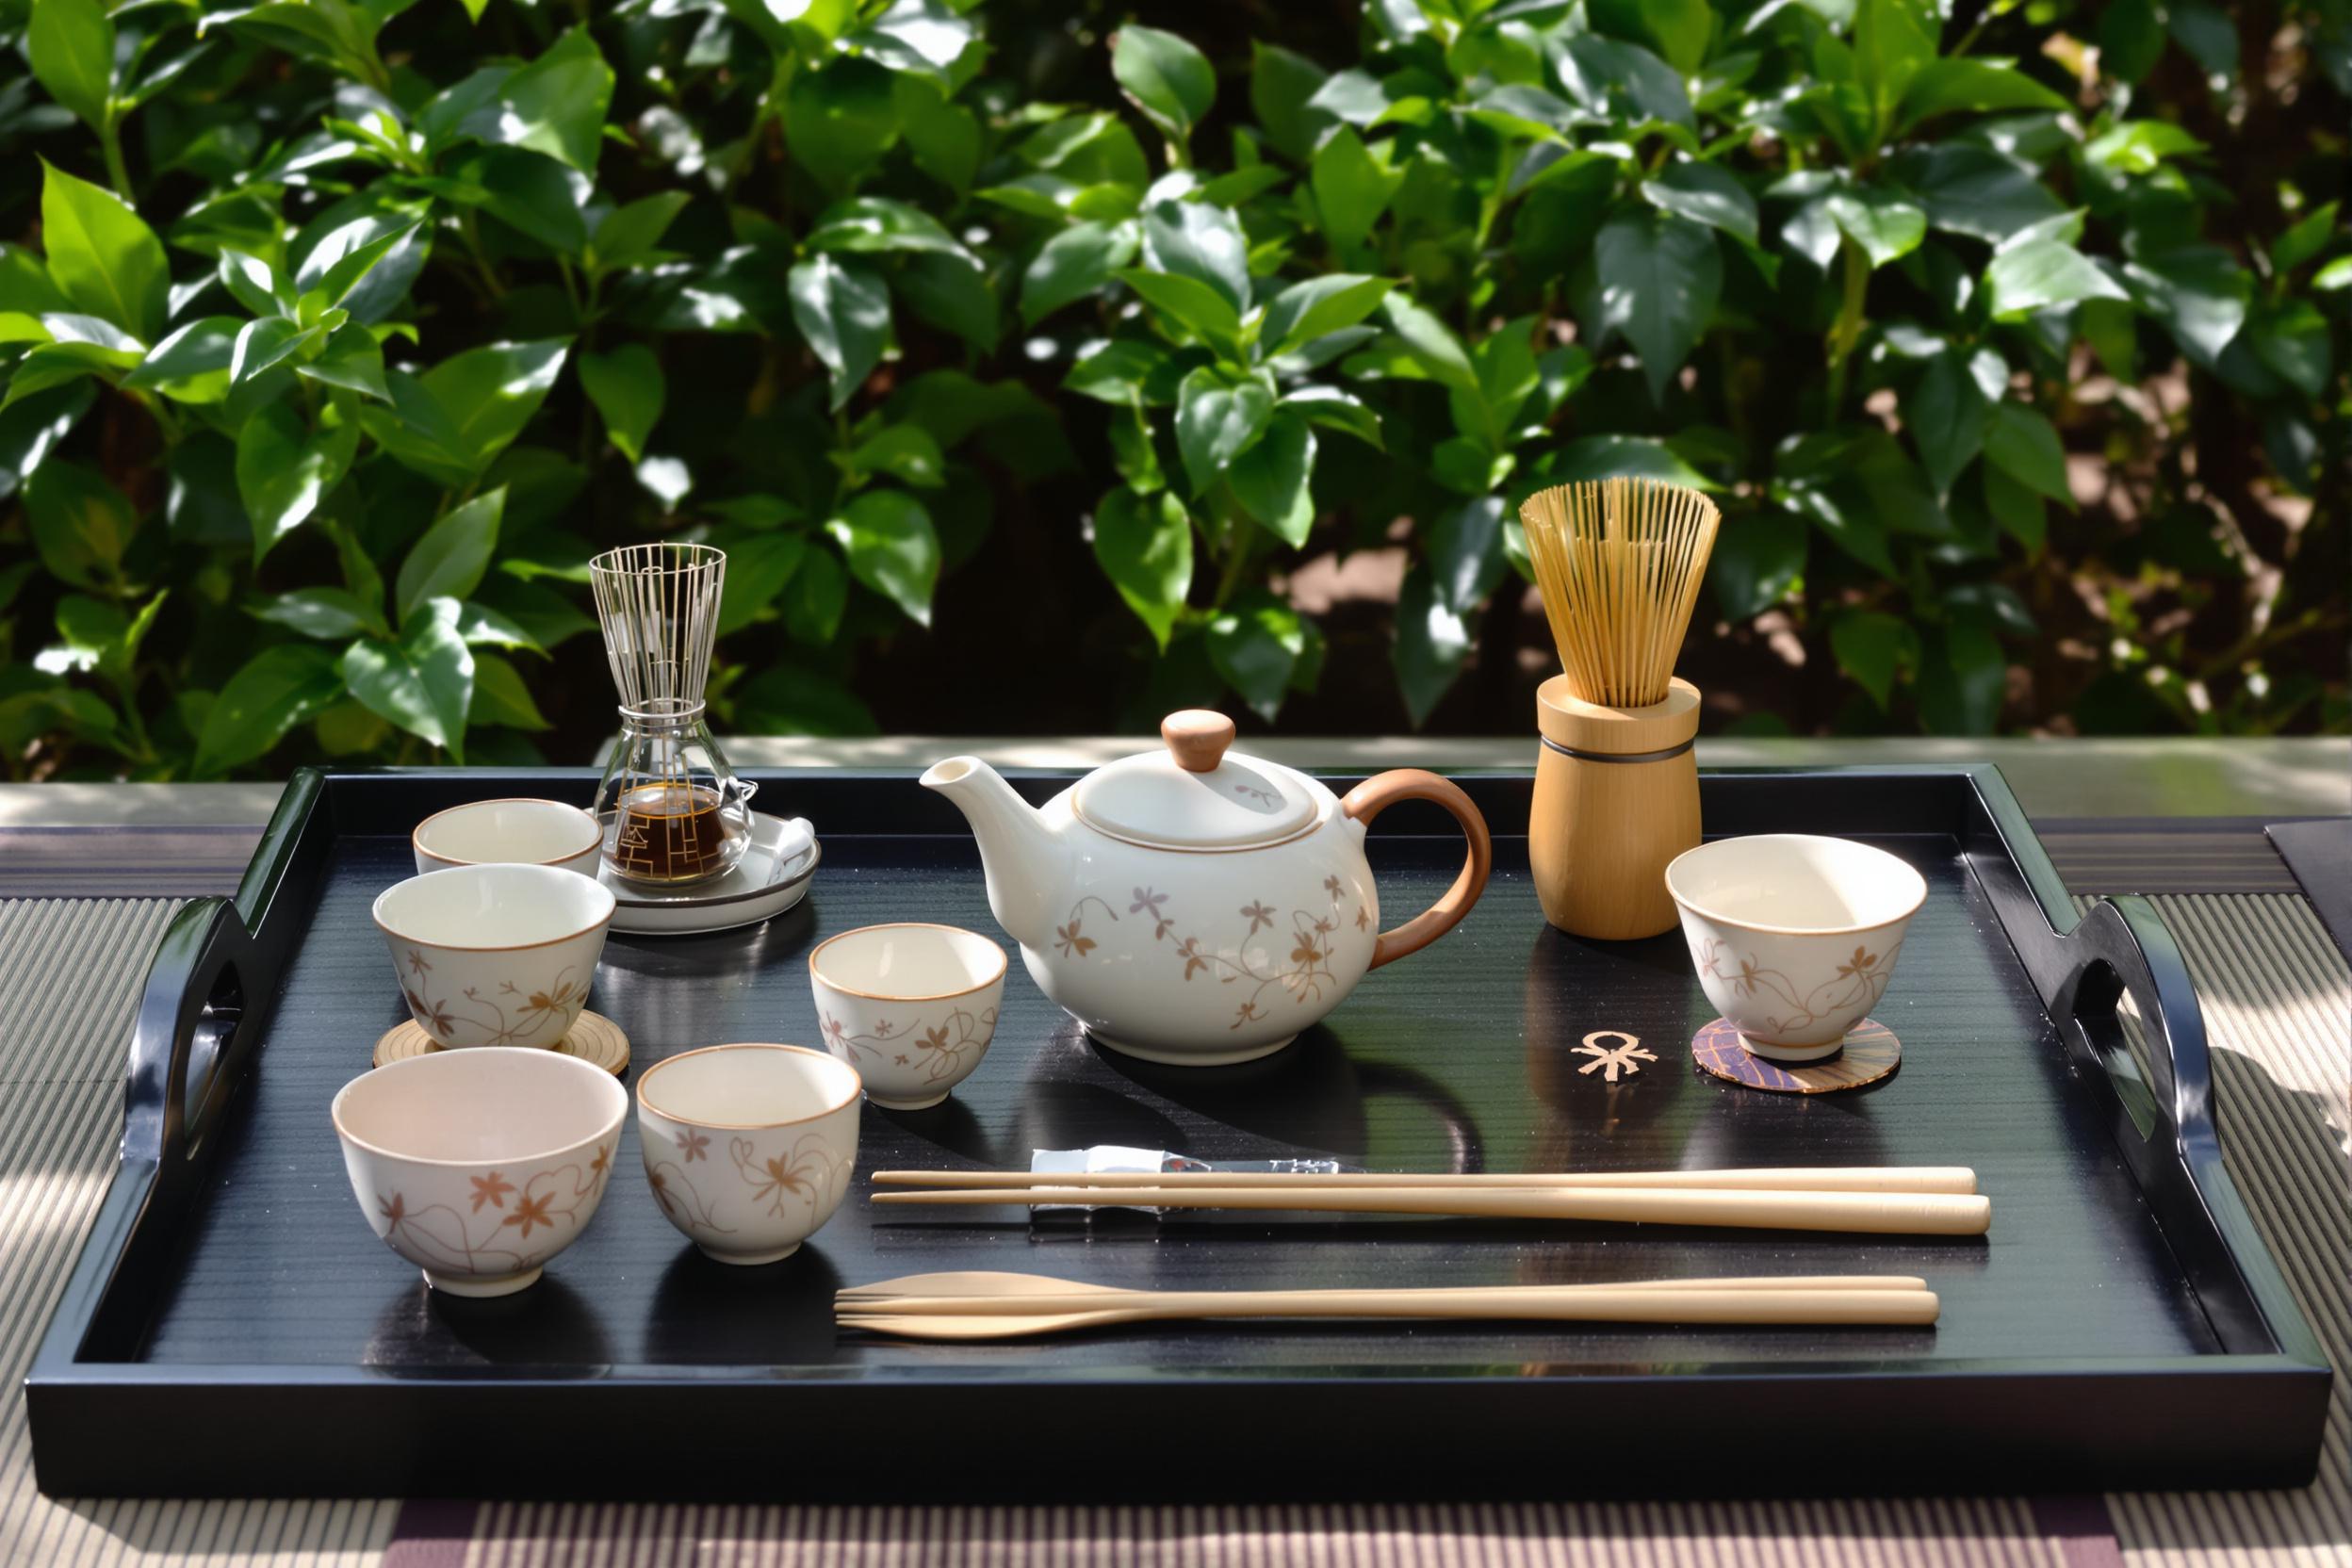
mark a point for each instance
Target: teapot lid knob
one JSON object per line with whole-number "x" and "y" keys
{"x": 1197, "y": 738}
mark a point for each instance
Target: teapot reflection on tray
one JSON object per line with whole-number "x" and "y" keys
{"x": 1196, "y": 907}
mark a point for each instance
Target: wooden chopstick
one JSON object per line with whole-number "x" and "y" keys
{"x": 867, "y": 1298}
{"x": 1945, "y": 1178}
{"x": 1879, "y": 1212}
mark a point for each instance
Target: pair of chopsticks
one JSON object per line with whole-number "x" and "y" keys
{"x": 1882, "y": 1200}
{"x": 982, "y": 1305}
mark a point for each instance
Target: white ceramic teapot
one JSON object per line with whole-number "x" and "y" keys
{"x": 1196, "y": 907}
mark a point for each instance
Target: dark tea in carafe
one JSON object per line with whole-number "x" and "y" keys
{"x": 670, "y": 833}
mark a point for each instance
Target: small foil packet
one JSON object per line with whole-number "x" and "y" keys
{"x": 1105, "y": 1157}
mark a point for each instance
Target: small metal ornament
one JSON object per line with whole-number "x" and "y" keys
{"x": 1626, "y": 1058}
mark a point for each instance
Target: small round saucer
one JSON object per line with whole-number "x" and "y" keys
{"x": 773, "y": 875}
{"x": 1871, "y": 1053}
{"x": 594, "y": 1038}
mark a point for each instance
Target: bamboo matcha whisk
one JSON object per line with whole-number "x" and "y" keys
{"x": 1619, "y": 563}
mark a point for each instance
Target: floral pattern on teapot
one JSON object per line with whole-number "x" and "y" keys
{"x": 1305, "y": 976}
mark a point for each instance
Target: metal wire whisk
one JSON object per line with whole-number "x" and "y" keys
{"x": 659, "y": 606}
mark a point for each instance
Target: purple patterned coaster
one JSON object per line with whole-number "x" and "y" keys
{"x": 1871, "y": 1052}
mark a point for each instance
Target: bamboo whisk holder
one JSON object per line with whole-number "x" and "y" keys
{"x": 1616, "y": 797}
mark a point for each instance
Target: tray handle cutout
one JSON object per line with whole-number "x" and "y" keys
{"x": 193, "y": 1016}
{"x": 2121, "y": 948}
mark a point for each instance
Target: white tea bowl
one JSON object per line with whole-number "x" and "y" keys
{"x": 509, "y": 832}
{"x": 479, "y": 1166}
{"x": 494, "y": 955}
{"x": 911, "y": 1006}
{"x": 748, "y": 1148}
{"x": 1795, "y": 935}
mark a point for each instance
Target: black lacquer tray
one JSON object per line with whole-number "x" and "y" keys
{"x": 233, "y": 1327}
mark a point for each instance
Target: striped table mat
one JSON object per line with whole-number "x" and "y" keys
{"x": 2279, "y": 1002}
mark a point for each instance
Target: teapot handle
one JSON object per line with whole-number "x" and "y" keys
{"x": 1381, "y": 791}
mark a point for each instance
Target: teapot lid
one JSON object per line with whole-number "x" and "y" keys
{"x": 1194, "y": 796}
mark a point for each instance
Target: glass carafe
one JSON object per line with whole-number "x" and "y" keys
{"x": 673, "y": 811}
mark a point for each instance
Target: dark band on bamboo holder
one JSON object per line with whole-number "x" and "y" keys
{"x": 1616, "y": 797}
{"x": 1617, "y": 756}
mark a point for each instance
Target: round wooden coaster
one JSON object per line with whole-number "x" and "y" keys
{"x": 594, "y": 1038}
{"x": 1871, "y": 1053}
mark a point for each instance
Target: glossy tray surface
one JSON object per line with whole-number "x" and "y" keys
{"x": 264, "y": 1277}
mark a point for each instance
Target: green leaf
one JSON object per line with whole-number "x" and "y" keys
{"x": 1948, "y": 411}
{"x": 1962, "y": 85}
{"x": 1144, "y": 546}
{"x": 1886, "y": 224}
{"x": 1963, "y": 678}
{"x": 1432, "y": 643}
{"x": 284, "y": 467}
{"x": 1705, "y": 193}
{"x": 1597, "y": 457}
{"x": 1678, "y": 29}
{"x": 1256, "y": 646}
{"x": 1659, "y": 278}
{"x": 277, "y": 689}
{"x": 2040, "y": 274}
{"x": 2199, "y": 292}
{"x": 1073, "y": 264}
{"x": 1430, "y": 342}
{"x": 2130, "y": 37}
{"x": 192, "y": 365}
{"x": 423, "y": 681}
{"x": 1192, "y": 240}
{"x": 951, "y": 293}
{"x": 630, "y": 236}
{"x": 2022, "y": 443}
{"x": 1465, "y": 553}
{"x": 1306, "y": 311}
{"x": 501, "y": 699}
{"x": 1352, "y": 188}
{"x": 1282, "y": 88}
{"x": 757, "y": 568}
{"x": 489, "y": 394}
{"x": 843, "y": 311}
{"x": 2292, "y": 338}
{"x": 2017, "y": 510}
{"x": 924, "y": 37}
{"x": 1893, "y": 41}
{"x": 1218, "y": 413}
{"x": 264, "y": 344}
{"x": 1976, "y": 192}
{"x": 1335, "y": 409}
{"x": 628, "y": 389}
{"x": 81, "y": 525}
{"x": 349, "y": 358}
{"x": 556, "y": 104}
{"x": 815, "y": 597}
{"x": 1270, "y": 477}
{"x": 1189, "y": 303}
{"x": 449, "y": 560}
{"x": 337, "y": 263}
{"x": 1757, "y": 560}
{"x": 330, "y": 614}
{"x": 102, "y": 257}
{"x": 2210, "y": 35}
{"x": 2140, "y": 146}
{"x": 1169, "y": 80}
{"x": 839, "y": 121}
{"x": 892, "y": 548}
{"x": 876, "y": 223}
{"x": 906, "y": 452}
{"x": 1874, "y": 649}
{"x": 71, "y": 46}
{"x": 2304, "y": 241}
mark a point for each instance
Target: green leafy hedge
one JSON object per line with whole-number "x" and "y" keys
{"x": 338, "y": 334}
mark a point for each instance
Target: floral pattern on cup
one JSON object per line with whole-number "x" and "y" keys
{"x": 935, "y": 1052}
{"x": 1854, "y": 989}
{"x": 442, "y": 1239}
{"x": 1302, "y": 978}
{"x": 748, "y": 1149}
{"x": 485, "y": 1019}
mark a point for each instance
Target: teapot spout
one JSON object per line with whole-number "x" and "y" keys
{"x": 1024, "y": 863}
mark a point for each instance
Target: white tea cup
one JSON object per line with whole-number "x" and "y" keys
{"x": 1795, "y": 935}
{"x": 911, "y": 1006}
{"x": 748, "y": 1148}
{"x": 517, "y": 832}
{"x": 496, "y": 955}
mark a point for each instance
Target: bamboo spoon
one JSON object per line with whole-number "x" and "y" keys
{"x": 1876, "y": 1212}
{"x": 1945, "y": 1178}
{"x": 1034, "y": 1304}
